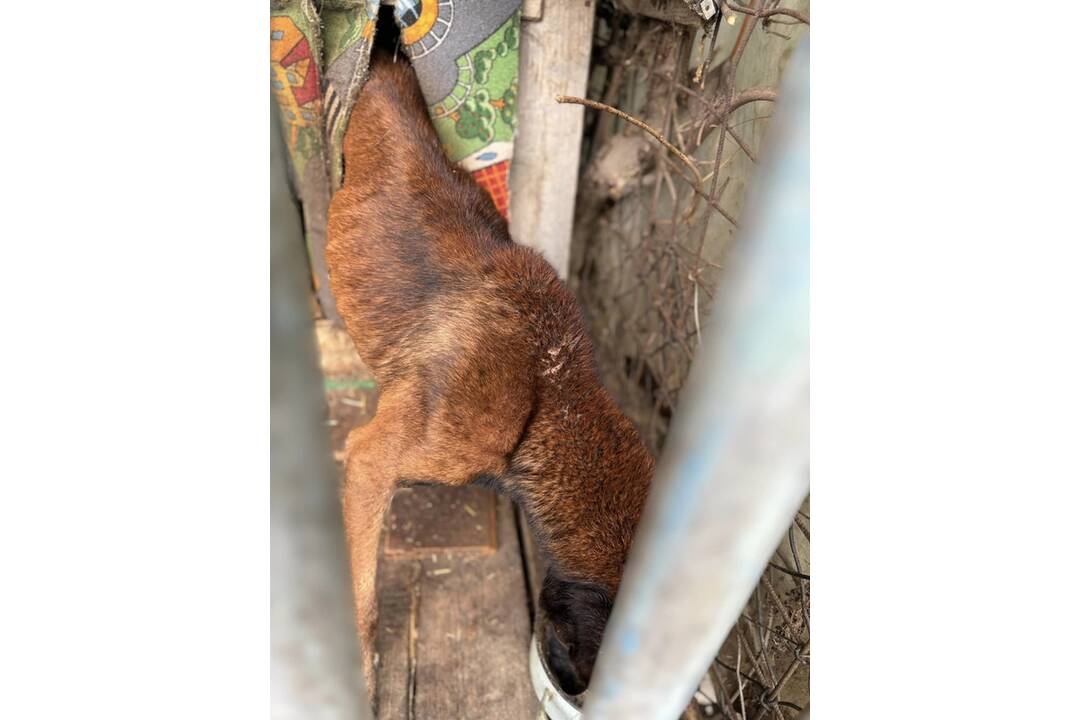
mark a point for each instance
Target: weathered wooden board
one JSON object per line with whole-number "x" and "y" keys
{"x": 554, "y": 60}
{"x": 532, "y": 9}
{"x": 454, "y": 632}
{"x": 398, "y": 589}
{"x": 426, "y": 518}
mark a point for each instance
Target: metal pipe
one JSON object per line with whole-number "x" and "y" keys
{"x": 734, "y": 470}
{"x": 314, "y": 659}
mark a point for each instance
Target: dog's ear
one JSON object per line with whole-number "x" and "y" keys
{"x": 577, "y": 612}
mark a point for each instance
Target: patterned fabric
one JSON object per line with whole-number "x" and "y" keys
{"x": 465, "y": 53}
{"x": 496, "y": 180}
{"x": 295, "y": 71}
{"x": 348, "y": 31}
{"x": 466, "y": 57}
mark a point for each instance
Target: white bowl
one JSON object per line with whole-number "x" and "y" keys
{"x": 557, "y": 704}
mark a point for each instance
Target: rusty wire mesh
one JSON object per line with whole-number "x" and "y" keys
{"x": 659, "y": 198}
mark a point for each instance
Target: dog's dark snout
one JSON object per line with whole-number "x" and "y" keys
{"x": 576, "y": 613}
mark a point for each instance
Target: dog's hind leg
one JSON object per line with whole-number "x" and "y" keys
{"x": 370, "y": 477}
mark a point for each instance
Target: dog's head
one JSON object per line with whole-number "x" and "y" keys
{"x": 576, "y": 613}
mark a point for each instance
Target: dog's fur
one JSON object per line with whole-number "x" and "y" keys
{"x": 485, "y": 370}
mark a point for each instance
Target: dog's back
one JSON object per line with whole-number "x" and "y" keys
{"x": 432, "y": 290}
{"x": 407, "y": 231}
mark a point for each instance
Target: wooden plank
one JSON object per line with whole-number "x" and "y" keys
{"x": 473, "y": 645}
{"x": 398, "y": 599}
{"x": 426, "y": 518}
{"x": 454, "y": 632}
{"x": 554, "y": 60}
{"x": 532, "y": 10}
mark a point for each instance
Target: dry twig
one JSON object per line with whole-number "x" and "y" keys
{"x": 735, "y": 7}
{"x": 633, "y": 121}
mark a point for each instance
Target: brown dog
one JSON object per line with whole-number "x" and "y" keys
{"x": 485, "y": 371}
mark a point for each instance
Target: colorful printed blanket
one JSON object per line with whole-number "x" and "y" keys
{"x": 465, "y": 53}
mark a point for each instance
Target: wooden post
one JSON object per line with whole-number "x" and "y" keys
{"x": 554, "y": 60}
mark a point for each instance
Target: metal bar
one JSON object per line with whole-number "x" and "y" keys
{"x": 734, "y": 470}
{"x": 314, "y": 660}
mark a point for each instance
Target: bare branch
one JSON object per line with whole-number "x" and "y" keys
{"x": 633, "y": 121}
{"x": 735, "y": 7}
{"x": 756, "y": 94}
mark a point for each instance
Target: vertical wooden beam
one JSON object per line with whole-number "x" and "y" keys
{"x": 532, "y": 9}
{"x": 554, "y": 61}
